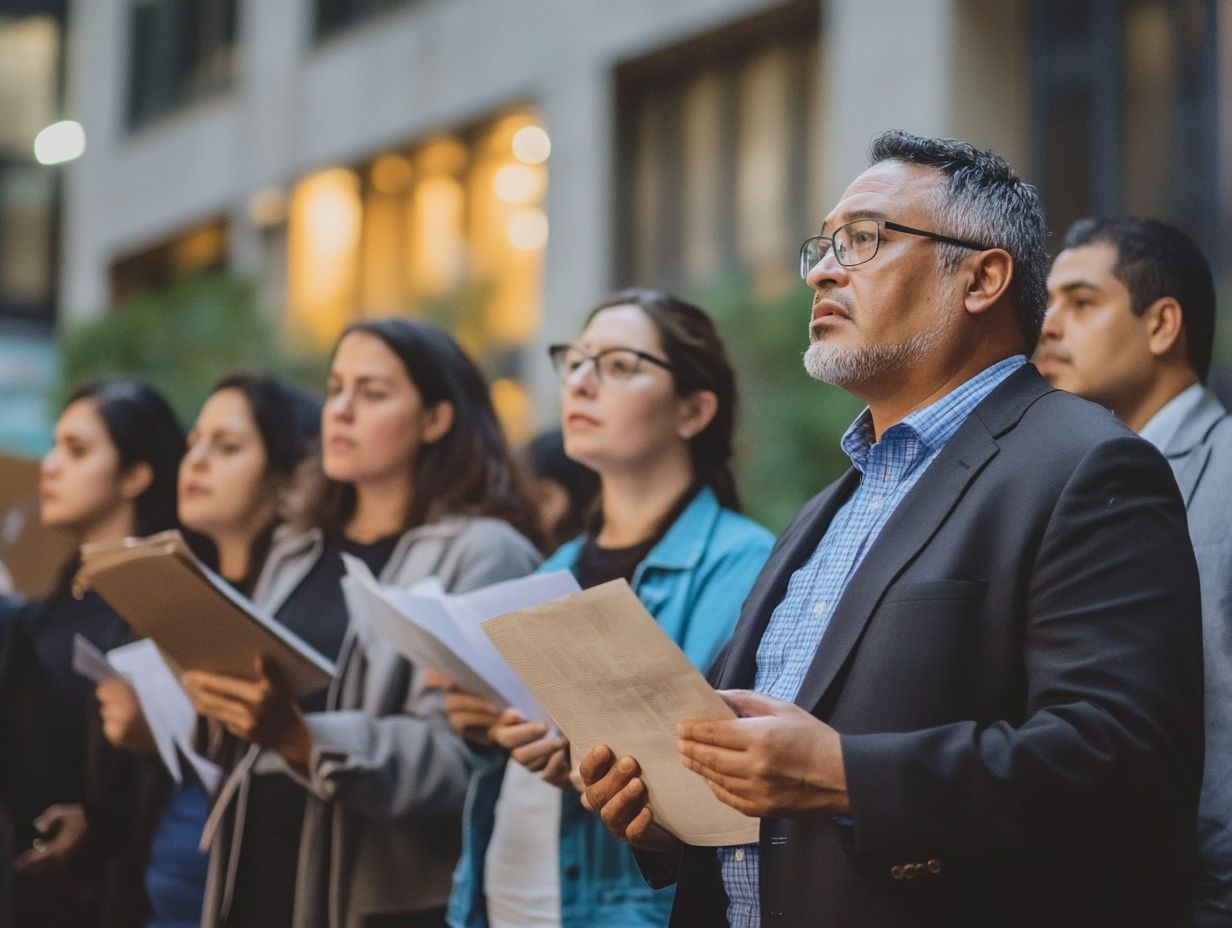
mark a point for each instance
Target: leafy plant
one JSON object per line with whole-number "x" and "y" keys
{"x": 182, "y": 339}
{"x": 790, "y": 425}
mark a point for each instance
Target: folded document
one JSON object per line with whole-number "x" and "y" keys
{"x": 610, "y": 675}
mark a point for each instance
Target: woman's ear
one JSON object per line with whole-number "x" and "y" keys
{"x": 136, "y": 480}
{"x": 695, "y": 412}
{"x": 438, "y": 420}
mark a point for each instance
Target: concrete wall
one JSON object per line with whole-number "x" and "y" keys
{"x": 297, "y": 106}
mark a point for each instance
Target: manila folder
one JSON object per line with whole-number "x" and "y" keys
{"x": 164, "y": 592}
{"x": 608, "y": 674}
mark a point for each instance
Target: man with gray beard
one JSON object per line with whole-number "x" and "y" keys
{"x": 968, "y": 683}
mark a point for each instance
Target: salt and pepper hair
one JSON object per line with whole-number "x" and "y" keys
{"x": 984, "y": 201}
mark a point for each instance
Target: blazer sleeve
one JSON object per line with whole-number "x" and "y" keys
{"x": 1111, "y": 729}
{"x": 412, "y": 763}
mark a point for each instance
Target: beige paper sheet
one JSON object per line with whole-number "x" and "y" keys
{"x": 609, "y": 675}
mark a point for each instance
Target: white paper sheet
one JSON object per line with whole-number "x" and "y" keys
{"x": 435, "y": 629}
{"x": 167, "y": 708}
{"x": 90, "y": 662}
{"x": 609, "y": 674}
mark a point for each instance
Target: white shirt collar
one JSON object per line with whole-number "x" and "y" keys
{"x": 1163, "y": 426}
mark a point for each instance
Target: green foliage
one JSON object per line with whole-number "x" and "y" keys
{"x": 182, "y": 339}
{"x": 790, "y": 425}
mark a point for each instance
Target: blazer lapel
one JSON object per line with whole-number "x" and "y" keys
{"x": 739, "y": 669}
{"x": 914, "y": 522}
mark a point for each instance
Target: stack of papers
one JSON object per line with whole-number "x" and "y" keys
{"x": 608, "y": 674}
{"x": 431, "y": 628}
{"x": 167, "y": 709}
{"x": 198, "y": 620}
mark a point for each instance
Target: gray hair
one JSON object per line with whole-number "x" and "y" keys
{"x": 984, "y": 201}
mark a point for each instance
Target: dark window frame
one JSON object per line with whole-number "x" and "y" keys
{"x": 180, "y": 52}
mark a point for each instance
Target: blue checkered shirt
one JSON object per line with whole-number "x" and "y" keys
{"x": 889, "y": 469}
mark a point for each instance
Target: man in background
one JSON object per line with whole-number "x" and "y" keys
{"x": 1130, "y": 325}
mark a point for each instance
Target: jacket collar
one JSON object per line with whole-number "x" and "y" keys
{"x": 1195, "y": 428}
{"x": 684, "y": 543}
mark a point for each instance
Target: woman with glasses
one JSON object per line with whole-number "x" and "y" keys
{"x": 648, "y": 402}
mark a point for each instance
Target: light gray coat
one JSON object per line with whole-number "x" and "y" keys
{"x": 387, "y": 776}
{"x": 1201, "y": 457}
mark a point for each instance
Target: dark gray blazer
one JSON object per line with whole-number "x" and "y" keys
{"x": 1016, "y": 673}
{"x": 1201, "y": 457}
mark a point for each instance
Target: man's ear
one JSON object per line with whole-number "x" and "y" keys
{"x": 990, "y": 275}
{"x": 136, "y": 480}
{"x": 1165, "y": 325}
{"x": 438, "y": 421}
{"x": 696, "y": 411}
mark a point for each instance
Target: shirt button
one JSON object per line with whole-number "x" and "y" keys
{"x": 739, "y": 855}
{"x": 820, "y": 608}
{"x": 572, "y": 872}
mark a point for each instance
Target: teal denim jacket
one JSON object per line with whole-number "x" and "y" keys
{"x": 693, "y": 582}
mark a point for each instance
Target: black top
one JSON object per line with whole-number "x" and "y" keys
{"x": 316, "y": 611}
{"x": 57, "y": 696}
{"x": 597, "y": 564}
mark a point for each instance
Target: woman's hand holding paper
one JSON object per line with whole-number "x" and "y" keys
{"x": 261, "y": 711}
{"x": 124, "y": 723}
{"x": 528, "y": 743}
{"x": 471, "y": 716}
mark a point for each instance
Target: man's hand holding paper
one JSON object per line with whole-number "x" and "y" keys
{"x": 609, "y": 675}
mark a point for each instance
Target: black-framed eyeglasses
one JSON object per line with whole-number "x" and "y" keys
{"x": 858, "y": 241}
{"x": 611, "y": 365}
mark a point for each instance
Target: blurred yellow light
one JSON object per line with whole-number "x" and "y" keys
{"x": 513, "y": 406}
{"x": 518, "y": 184}
{"x": 442, "y": 156}
{"x": 267, "y": 207}
{"x": 60, "y": 142}
{"x": 391, "y": 174}
{"x": 324, "y": 244}
{"x": 527, "y": 229}
{"x": 531, "y": 145}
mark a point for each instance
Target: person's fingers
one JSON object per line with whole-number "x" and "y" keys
{"x": 722, "y": 733}
{"x": 33, "y": 861}
{"x": 697, "y": 756}
{"x": 617, "y": 777}
{"x": 623, "y": 807}
{"x": 48, "y": 821}
{"x": 510, "y": 716}
{"x": 221, "y": 685}
{"x": 433, "y": 679}
{"x": 458, "y": 701}
{"x": 595, "y": 764}
{"x": 514, "y": 736}
{"x": 714, "y": 777}
{"x": 535, "y": 755}
{"x": 737, "y": 802}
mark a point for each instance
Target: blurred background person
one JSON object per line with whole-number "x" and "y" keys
{"x": 416, "y": 480}
{"x": 562, "y": 490}
{"x": 648, "y": 402}
{"x": 251, "y": 435}
{"x": 1131, "y": 325}
{"x": 110, "y": 474}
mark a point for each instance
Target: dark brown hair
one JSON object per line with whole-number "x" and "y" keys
{"x": 468, "y": 471}
{"x": 698, "y": 362}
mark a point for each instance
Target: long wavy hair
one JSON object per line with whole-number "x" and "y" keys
{"x": 468, "y": 471}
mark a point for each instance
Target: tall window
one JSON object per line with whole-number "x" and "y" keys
{"x": 333, "y": 16}
{"x": 451, "y": 228}
{"x": 180, "y": 51}
{"x": 720, "y": 154}
{"x": 1125, "y": 111}
{"x": 29, "y": 101}
{"x": 203, "y": 248}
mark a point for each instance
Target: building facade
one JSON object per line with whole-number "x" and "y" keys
{"x": 505, "y": 163}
